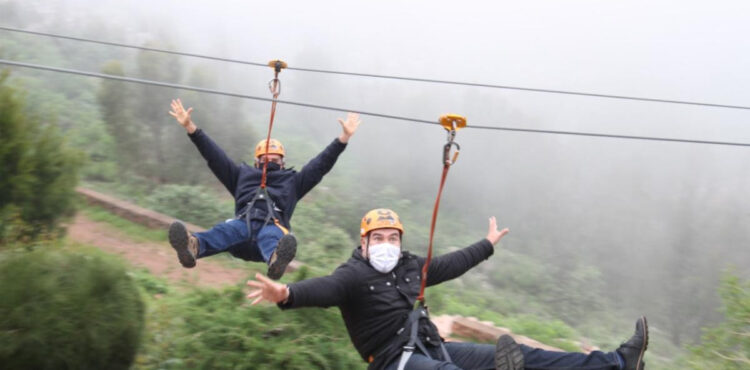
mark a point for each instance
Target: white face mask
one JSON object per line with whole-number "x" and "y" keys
{"x": 384, "y": 257}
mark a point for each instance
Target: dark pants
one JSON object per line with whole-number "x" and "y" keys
{"x": 469, "y": 356}
{"x": 233, "y": 237}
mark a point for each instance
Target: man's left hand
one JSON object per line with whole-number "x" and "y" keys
{"x": 493, "y": 235}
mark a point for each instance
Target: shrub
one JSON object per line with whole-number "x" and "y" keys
{"x": 211, "y": 329}
{"x": 189, "y": 203}
{"x": 38, "y": 172}
{"x": 726, "y": 345}
{"x": 67, "y": 310}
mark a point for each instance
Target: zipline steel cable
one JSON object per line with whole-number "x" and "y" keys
{"x": 338, "y": 109}
{"x": 391, "y": 77}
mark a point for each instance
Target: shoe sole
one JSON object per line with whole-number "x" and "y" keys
{"x": 645, "y": 343}
{"x": 285, "y": 253}
{"x": 508, "y": 355}
{"x": 178, "y": 238}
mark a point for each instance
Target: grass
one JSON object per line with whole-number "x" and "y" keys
{"x": 140, "y": 233}
{"x": 134, "y": 231}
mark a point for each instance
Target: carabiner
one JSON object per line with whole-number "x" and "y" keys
{"x": 447, "y": 160}
{"x": 275, "y": 87}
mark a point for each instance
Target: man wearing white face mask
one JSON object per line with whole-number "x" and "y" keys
{"x": 376, "y": 291}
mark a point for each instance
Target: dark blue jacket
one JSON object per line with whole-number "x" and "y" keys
{"x": 285, "y": 186}
{"x": 374, "y": 305}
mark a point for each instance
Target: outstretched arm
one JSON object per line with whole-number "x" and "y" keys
{"x": 312, "y": 173}
{"x": 183, "y": 116}
{"x": 325, "y": 291}
{"x": 452, "y": 265}
{"x": 349, "y": 126}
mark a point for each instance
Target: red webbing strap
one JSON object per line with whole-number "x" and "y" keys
{"x": 275, "y": 90}
{"x": 426, "y": 266}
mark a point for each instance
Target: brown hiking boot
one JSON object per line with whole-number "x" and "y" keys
{"x": 284, "y": 253}
{"x": 183, "y": 243}
{"x": 508, "y": 355}
{"x": 632, "y": 351}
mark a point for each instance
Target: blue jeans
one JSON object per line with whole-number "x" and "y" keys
{"x": 482, "y": 356}
{"x": 233, "y": 237}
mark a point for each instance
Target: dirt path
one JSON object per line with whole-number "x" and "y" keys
{"x": 159, "y": 259}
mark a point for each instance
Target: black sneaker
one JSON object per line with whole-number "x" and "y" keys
{"x": 284, "y": 253}
{"x": 508, "y": 355}
{"x": 632, "y": 351}
{"x": 185, "y": 244}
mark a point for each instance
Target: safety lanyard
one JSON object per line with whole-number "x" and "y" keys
{"x": 275, "y": 87}
{"x": 451, "y": 123}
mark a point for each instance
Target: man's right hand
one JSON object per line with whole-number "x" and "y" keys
{"x": 183, "y": 116}
{"x": 268, "y": 290}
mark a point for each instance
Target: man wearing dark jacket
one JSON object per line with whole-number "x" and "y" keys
{"x": 260, "y": 231}
{"x": 376, "y": 291}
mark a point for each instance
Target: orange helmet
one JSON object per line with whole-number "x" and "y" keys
{"x": 276, "y": 148}
{"x": 381, "y": 218}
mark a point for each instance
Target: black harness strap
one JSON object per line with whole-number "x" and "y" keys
{"x": 412, "y": 324}
{"x": 261, "y": 195}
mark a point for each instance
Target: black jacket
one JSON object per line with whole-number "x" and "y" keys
{"x": 374, "y": 305}
{"x": 285, "y": 187}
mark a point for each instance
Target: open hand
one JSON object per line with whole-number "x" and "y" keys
{"x": 182, "y": 116}
{"x": 493, "y": 235}
{"x": 349, "y": 126}
{"x": 267, "y": 290}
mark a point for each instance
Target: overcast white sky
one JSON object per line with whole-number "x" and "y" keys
{"x": 680, "y": 50}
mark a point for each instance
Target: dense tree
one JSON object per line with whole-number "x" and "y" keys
{"x": 38, "y": 172}
{"x": 151, "y": 108}
{"x": 116, "y": 102}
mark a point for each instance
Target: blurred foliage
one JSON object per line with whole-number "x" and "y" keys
{"x": 726, "y": 345}
{"x": 67, "y": 310}
{"x": 190, "y": 203}
{"x": 218, "y": 329}
{"x": 456, "y": 298}
{"x": 116, "y": 104}
{"x": 135, "y": 232}
{"x": 38, "y": 172}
